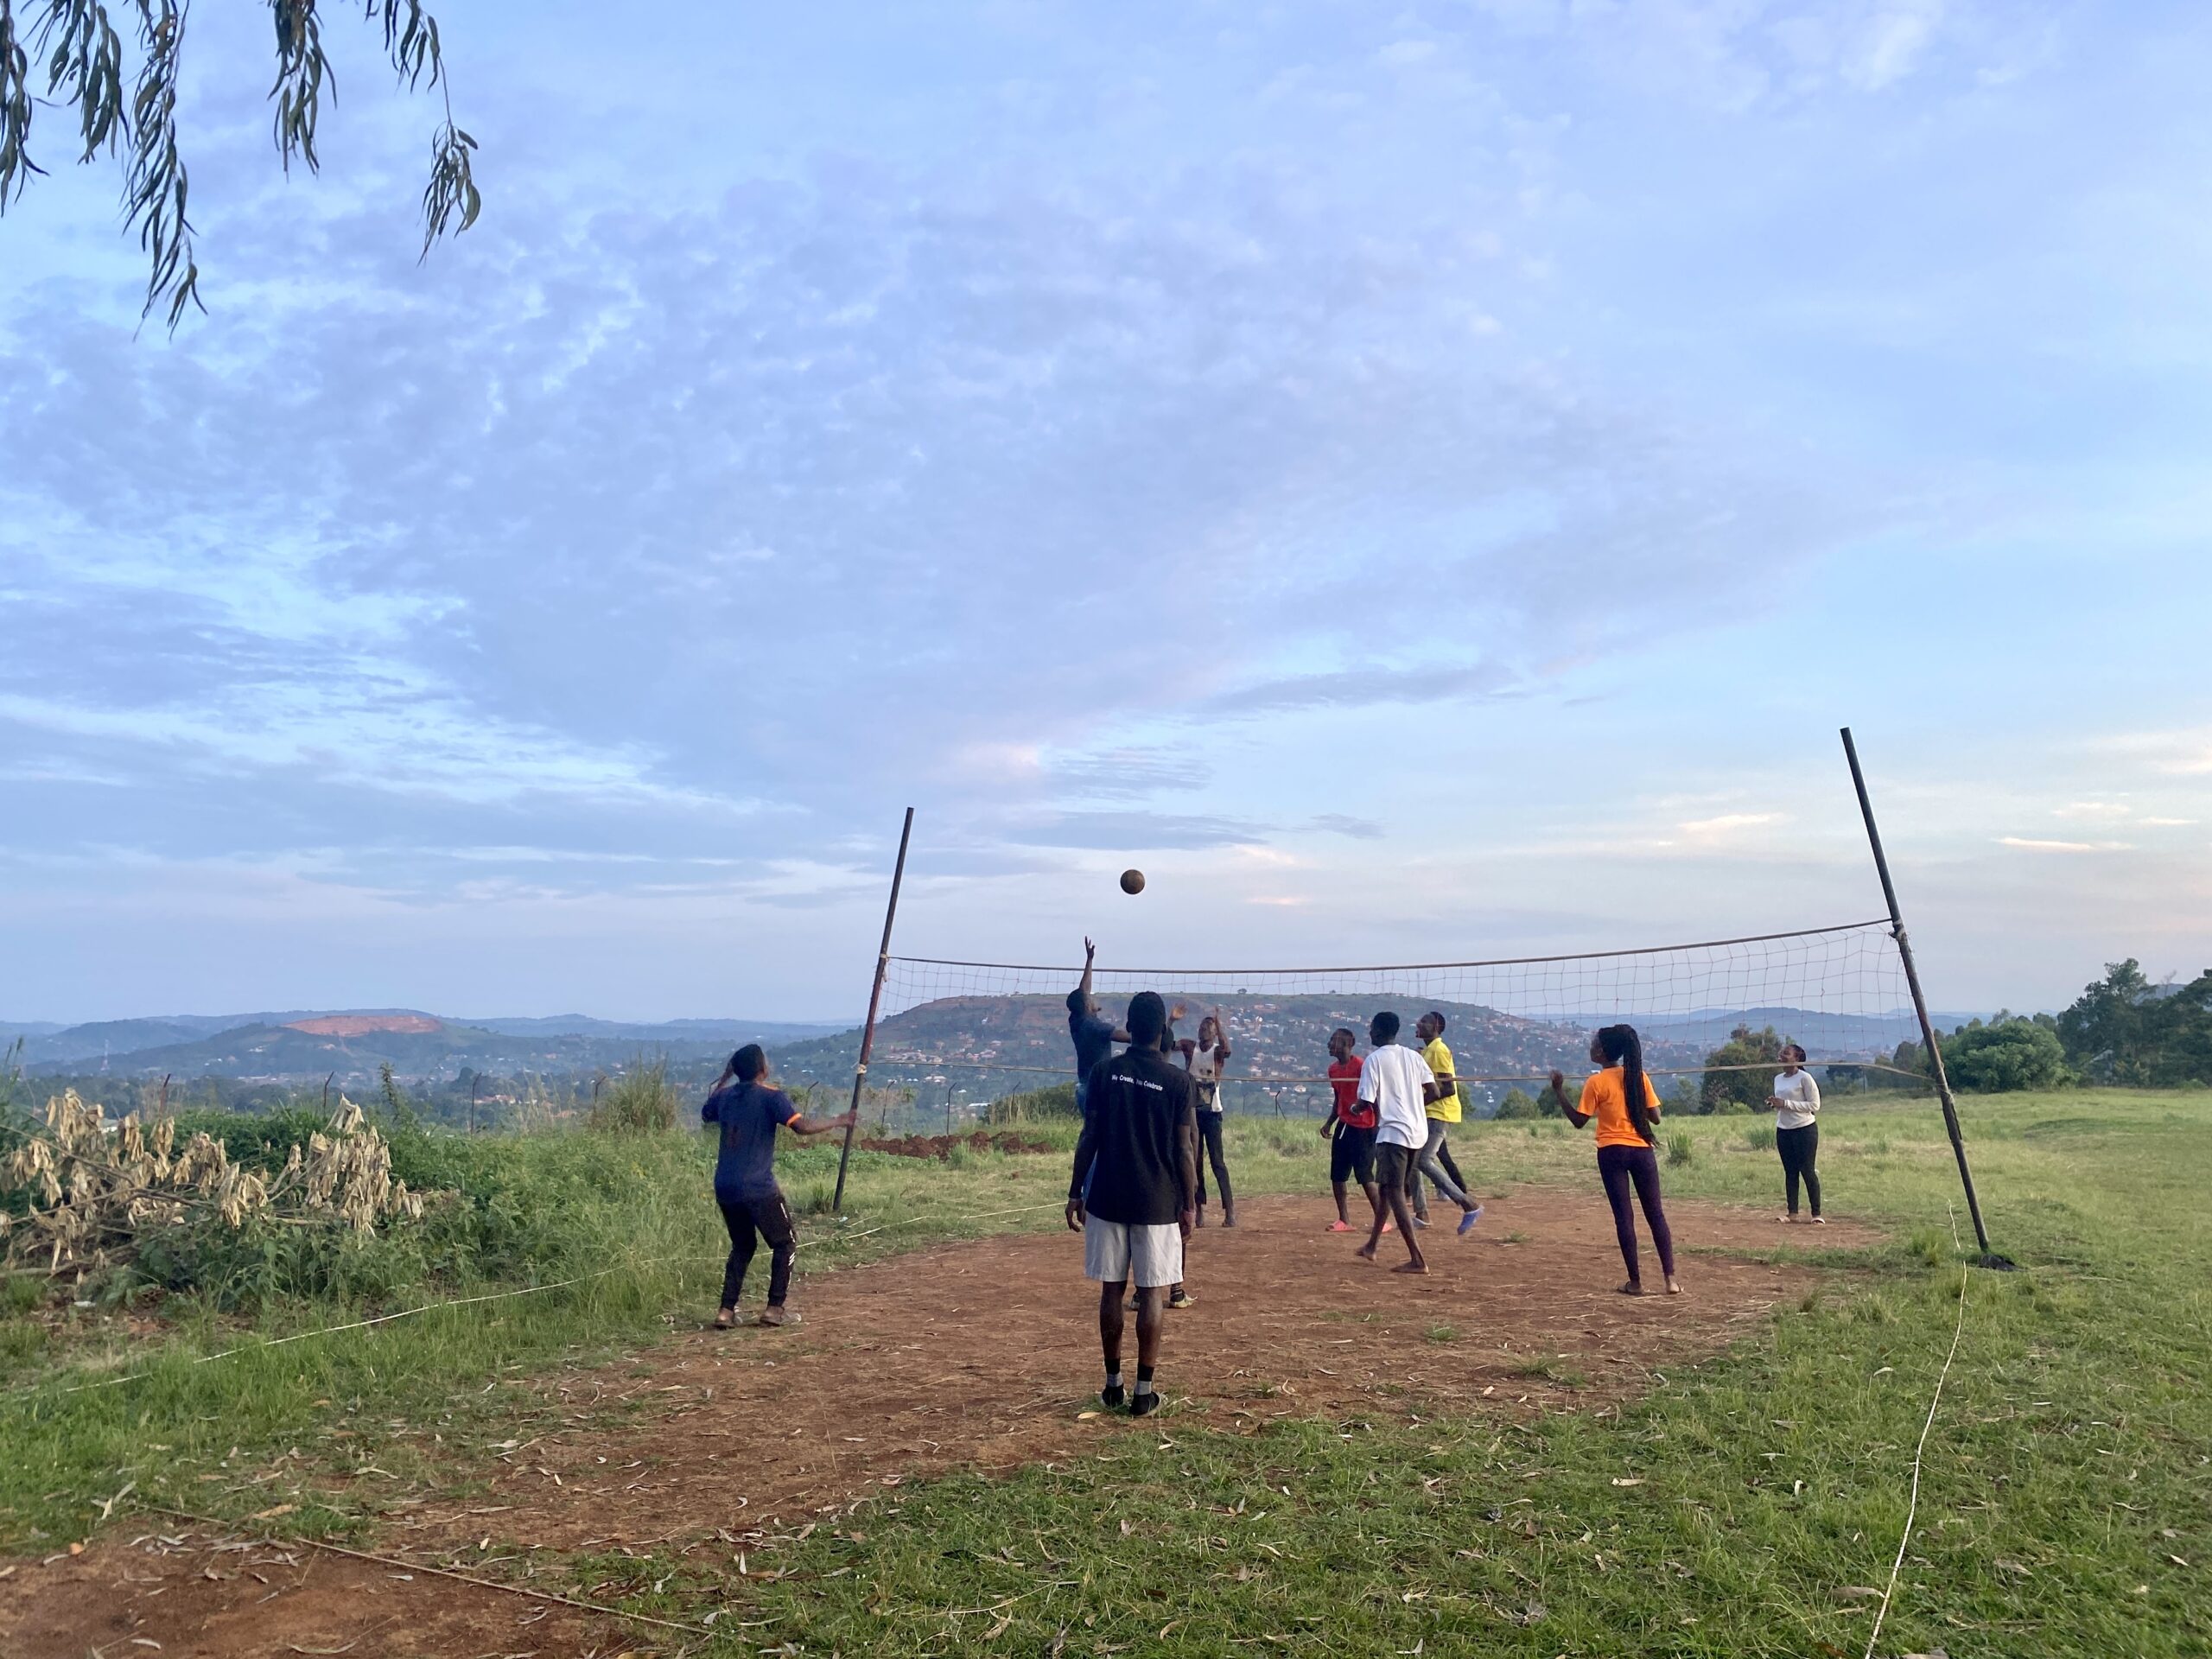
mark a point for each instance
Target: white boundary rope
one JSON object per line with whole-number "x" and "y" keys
{"x": 360, "y": 1324}
{"x": 1912, "y": 1507}
{"x": 525, "y": 1290}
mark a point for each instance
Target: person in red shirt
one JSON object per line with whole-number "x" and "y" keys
{"x": 1350, "y": 1131}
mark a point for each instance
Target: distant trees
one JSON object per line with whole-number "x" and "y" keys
{"x": 2123, "y": 1029}
{"x": 1741, "y": 1091}
{"x": 1518, "y": 1103}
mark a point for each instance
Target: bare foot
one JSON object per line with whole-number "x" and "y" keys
{"x": 1634, "y": 1288}
{"x": 1411, "y": 1267}
{"x": 1365, "y": 1252}
{"x": 1674, "y": 1286}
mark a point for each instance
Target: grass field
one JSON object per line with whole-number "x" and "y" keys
{"x": 1751, "y": 1504}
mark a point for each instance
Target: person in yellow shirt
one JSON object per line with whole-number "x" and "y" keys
{"x": 1443, "y": 1106}
{"x": 1621, "y": 1097}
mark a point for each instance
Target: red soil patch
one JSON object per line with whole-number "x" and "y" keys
{"x": 360, "y": 1025}
{"x": 971, "y": 1355}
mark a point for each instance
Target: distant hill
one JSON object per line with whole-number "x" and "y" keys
{"x": 983, "y": 1046}
{"x": 731, "y": 1031}
{"x": 355, "y": 1044}
{"x": 976, "y": 1047}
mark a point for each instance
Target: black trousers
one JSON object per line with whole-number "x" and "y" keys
{"x": 1799, "y": 1147}
{"x": 748, "y": 1221}
{"x": 1209, "y": 1144}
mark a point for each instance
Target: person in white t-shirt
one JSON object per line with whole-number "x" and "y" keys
{"x": 1203, "y": 1060}
{"x": 1395, "y": 1081}
{"x": 1797, "y": 1103}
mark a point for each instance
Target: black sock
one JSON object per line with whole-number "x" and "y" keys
{"x": 1144, "y": 1379}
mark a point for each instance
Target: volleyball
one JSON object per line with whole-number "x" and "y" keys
{"x": 1131, "y": 880}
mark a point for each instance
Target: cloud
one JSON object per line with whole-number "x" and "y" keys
{"x": 2186, "y": 753}
{"x": 2096, "y": 810}
{"x": 1727, "y": 822}
{"x": 2028, "y": 843}
{"x": 1134, "y": 832}
{"x": 1343, "y": 824}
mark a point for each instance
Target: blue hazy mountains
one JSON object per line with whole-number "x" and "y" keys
{"x": 355, "y": 1042}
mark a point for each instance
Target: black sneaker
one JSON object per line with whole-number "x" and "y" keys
{"x": 1145, "y": 1404}
{"x": 1113, "y": 1395}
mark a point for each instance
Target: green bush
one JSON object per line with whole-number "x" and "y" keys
{"x": 1679, "y": 1149}
{"x": 639, "y": 1101}
{"x": 1032, "y": 1105}
{"x": 2005, "y": 1054}
{"x": 1519, "y": 1103}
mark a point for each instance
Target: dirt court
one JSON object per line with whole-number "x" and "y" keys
{"x": 979, "y": 1356}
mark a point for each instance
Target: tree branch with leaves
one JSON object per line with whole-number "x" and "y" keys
{"x": 77, "y": 47}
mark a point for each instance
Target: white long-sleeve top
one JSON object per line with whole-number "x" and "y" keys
{"x": 1801, "y": 1100}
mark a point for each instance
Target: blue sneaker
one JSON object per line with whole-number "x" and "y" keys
{"x": 1467, "y": 1222}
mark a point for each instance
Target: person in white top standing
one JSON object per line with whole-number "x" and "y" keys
{"x": 1396, "y": 1081}
{"x": 1203, "y": 1059}
{"x": 1797, "y": 1103}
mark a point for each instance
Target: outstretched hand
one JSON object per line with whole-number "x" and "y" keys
{"x": 1559, "y": 1084}
{"x": 1089, "y": 949}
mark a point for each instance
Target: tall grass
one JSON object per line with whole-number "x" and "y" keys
{"x": 640, "y": 1100}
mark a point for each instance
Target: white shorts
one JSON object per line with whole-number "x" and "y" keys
{"x": 1111, "y": 1248}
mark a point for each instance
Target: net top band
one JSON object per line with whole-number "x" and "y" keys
{"x": 1882, "y": 922}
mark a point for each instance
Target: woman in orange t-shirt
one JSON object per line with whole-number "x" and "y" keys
{"x": 1626, "y": 1106}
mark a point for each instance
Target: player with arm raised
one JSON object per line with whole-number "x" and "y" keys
{"x": 1094, "y": 1035}
{"x": 748, "y": 1113}
{"x": 1134, "y": 1191}
{"x": 1621, "y": 1097}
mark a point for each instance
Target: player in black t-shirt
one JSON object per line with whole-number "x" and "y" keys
{"x": 747, "y": 1113}
{"x": 1133, "y": 1193}
{"x": 1093, "y": 1035}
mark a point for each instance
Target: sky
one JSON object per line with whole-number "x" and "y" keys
{"x": 1422, "y": 485}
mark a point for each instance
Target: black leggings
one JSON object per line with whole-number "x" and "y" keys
{"x": 1799, "y": 1147}
{"x": 1619, "y": 1168}
{"x": 770, "y": 1218}
{"x": 1209, "y": 1138}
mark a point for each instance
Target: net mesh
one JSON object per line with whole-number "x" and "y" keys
{"x": 989, "y": 1028}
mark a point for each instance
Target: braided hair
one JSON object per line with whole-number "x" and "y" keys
{"x": 1623, "y": 1047}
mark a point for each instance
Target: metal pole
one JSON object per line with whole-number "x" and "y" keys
{"x": 1919, "y": 1001}
{"x": 875, "y": 999}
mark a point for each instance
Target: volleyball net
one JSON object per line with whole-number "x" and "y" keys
{"x": 981, "y": 1028}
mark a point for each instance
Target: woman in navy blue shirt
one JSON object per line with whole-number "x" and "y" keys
{"x": 752, "y": 1206}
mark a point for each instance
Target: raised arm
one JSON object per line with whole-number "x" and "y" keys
{"x": 1573, "y": 1115}
{"x": 800, "y": 1124}
{"x": 1090, "y": 953}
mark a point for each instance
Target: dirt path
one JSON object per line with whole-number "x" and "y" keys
{"x": 978, "y": 1356}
